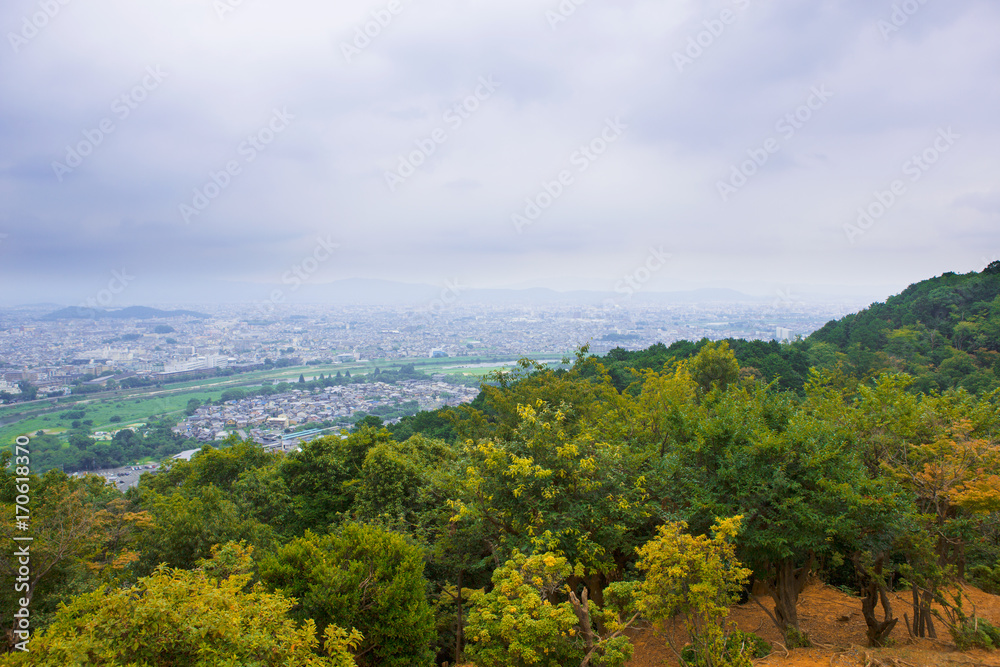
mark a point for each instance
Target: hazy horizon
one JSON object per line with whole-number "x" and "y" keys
{"x": 190, "y": 151}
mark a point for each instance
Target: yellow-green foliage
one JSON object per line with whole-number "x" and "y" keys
{"x": 518, "y": 623}
{"x": 694, "y": 578}
{"x": 186, "y": 618}
{"x": 515, "y": 624}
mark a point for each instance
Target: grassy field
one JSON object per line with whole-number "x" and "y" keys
{"x": 139, "y": 405}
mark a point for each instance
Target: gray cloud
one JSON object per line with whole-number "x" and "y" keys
{"x": 353, "y": 121}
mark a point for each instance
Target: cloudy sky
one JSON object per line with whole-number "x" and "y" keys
{"x": 209, "y": 148}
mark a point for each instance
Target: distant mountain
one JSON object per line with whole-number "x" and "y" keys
{"x": 130, "y": 313}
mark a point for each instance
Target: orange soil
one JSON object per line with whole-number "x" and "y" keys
{"x": 834, "y": 623}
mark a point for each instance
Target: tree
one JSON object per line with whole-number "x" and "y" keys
{"x": 320, "y": 477}
{"x": 694, "y": 579}
{"x": 67, "y": 532}
{"x": 302, "y": 378}
{"x": 715, "y": 367}
{"x": 361, "y": 577}
{"x": 790, "y": 471}
{"x": 186, "y": 525}
{"x": 520, "y": 622}
{"x": 196, "y": 618}
{"x": 29, "y": 392}
{"x": 234, "y": 394}
{"x": 369, "y": 421}
{"x": 556, "y": 484}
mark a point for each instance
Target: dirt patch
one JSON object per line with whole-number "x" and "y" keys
{"x": 833, "y": 621}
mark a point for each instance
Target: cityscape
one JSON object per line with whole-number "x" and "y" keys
{"x": 54, "y": 355}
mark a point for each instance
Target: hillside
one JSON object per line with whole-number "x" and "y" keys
{"x": 132, "y": 312}
{"x": 944, "y": 331}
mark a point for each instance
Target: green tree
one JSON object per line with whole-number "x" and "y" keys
{"x": 186, "y": 525}
{"x": 715, "y": 367}
{"x": 790, "y": 471}
{"x": 321, "y": 477}
{"x": 361, "y": 577}
{"x": 29, "y": 392}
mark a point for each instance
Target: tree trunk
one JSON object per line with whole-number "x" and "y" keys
{"x": 595, "y": 585}
{"x": 873, "y": 594}
{"x": 788, "y": 584}
{"x": 923, "y": 626}
{"x": 581, "y": 607}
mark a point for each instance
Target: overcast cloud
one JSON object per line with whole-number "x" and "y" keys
{"x": 247, "y": 137}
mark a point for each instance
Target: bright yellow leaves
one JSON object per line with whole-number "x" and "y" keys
{"x": 692, "y": 577}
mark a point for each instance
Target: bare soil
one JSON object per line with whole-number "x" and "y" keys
{"x": 833, "y": 621}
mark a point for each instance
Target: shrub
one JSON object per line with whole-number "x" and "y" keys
{"x": 738, "y": 646}
{"x": 694, "y": 580}
{"x": 186, "y": 618}
{"x": 986, "y": 578}
{"x": 520, "y": 623}
{"x": 976, "y": 633}
{"x": 361, "y": 577}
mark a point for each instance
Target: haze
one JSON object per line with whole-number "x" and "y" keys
{"x": 209, "y": 148}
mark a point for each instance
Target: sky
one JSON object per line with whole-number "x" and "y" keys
{"x": 200, "y": 150}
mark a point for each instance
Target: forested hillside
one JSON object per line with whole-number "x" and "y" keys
{"x": 945, "y": 332}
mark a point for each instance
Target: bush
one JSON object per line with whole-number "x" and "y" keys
{"x": 986, "y": 579}
{"x": 187, "y": 618}
{"x": 518, "y": 624}
{"x": 365, "y": 578}
{"x": 739, "y": 645}
{"x": 694, "y": 579}
{"x": 976, "y": 633}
